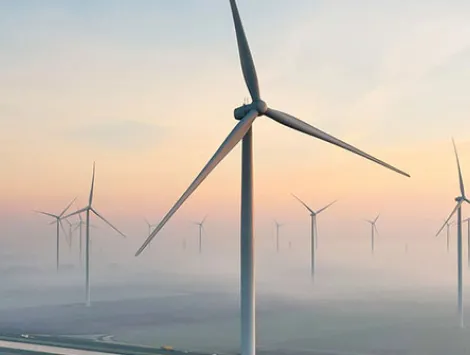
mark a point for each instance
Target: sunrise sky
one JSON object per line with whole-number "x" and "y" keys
{"x": 147, "y": 90}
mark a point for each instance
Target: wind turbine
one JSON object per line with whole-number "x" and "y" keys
{"x": 58, "y": 225}
{"x": 89, "y": 208}
{"x": 247, "y": 114}
{"x": 373, "y": 230}
{"x": 448, "y": 224}
{"x": 278, "y": 227}
{"x": 458, "y": 208}
{"x": 150, "y": 226}
{"x": 201, "y": 228}
{"x": 313, "y": 232}
{"x": 79, "y": 226}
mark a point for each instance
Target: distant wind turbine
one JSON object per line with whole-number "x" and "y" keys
{"x": 149, "y": 225}
{"x": 278, "y": 227}
{"x": 313, "y": 231}
{"x": 458, "y": 208}
{"x": 373, "y": 230}
{"x": 201, "y": 228}
{"x": 468, "y": 239}
{"x": 246, "y": 114}
{"x": 448, "y": 224}
{"x": 89, "y": 208}
{"x": 58, "y": 227}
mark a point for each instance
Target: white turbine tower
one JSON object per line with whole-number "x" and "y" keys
{"x": 58, "y": 227}
{"x": 247, "y": 114}
{"x": 201, "y": 229}
{"x": 278, "y": 227}
{"x": 89, "y": 208}
{"x": 313, "y": 232}
{"x": 373, "y": 231}
{"x": 458, "y": 208}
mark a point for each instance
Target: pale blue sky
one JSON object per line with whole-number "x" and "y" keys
{"x": 391, "y": 77}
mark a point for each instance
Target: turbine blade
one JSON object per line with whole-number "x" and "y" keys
{"x": 229, "y": 143}
{"x": 295, "y": 123}
{"x": 148, "y": 223}
{"x": 80, "y": 216}
{"x": 376, "y": 218}
{"x": 462, "y": 187}
{"x": 448, "y": 218}
{"x": 90, "y": 200}
{"x": 107, "y": 222}
{"x": 376, "y": 230}
{"x": 324, "y": 208}
{"x": 74, "y": 213}
{"x": 68, "y": 206}
{"x": 203, "y": 220}
{"x": 246, "y": 59}
{"x": 46, "y": 214}
{"x": 304, "y": 204}
{"x": 76, "y": 227}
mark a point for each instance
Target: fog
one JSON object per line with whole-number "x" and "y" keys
{"x": 396, "y": 301}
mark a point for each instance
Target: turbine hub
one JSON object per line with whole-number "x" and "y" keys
{"x": 459, "y": 198}
{"x": 259, "y": 106}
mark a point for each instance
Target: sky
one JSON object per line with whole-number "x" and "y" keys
{"x": 147, "y": 90}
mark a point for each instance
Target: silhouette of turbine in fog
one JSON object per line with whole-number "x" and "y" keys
{"x": 313, "y": 232}
{"x": 58, "y": 227}
{"x": 149, "y": 225}
{"x": 448, "y": 224}
{"x": 89, "y": 209}
{"x": 468, "y": 240}
{"x": 278, "y": 227}
{"x": 247, "y": 114}
{"x": 373, "y": 230}
{"x": 458, "y": 208}
{"x": 201, "y": 228}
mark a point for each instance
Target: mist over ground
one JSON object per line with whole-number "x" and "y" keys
{"x": 401, "y": 300}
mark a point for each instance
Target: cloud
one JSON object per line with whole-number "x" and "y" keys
{"x": 118, "y": 135}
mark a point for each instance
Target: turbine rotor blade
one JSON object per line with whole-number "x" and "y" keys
{"x": 90, "y": 200}
{"x": 304, "y": 204}
{"x": 448, "y": 218}
{"x": 203, "y": 220}
{"x": 462, "y": 187}
{"x": 46, "y": 214}
{"x": 107, "y": 222}
{"x": 68, "y": 206}
{"x": 376, "y": 230}
{"x": 65, "y": 233}
{"x": 246, "y": 59}
{"x": 295, "y": 123}
{"x": 226, "y": 147}
{"x": 74, "y": 213}
{"x": 376, "y": 218}
{"x": 324, "y": 208}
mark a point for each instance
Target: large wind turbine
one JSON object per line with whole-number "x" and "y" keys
{"x": 278, "y": 227}
{"x": 458, "y": 208}
{"x": 201, "y": 228}
{"x": 374, "y": 229}
{"x": 89, "y": 208}
{"x": 247, "y": 114}
{"x": 58, "y": 226}
{"x": 313, "y": 232}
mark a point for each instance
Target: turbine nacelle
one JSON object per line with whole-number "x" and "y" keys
{"x": 259, "y": 106}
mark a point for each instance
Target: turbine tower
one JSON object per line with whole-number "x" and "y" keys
{"x": 313, "y": 231}
{"x": 373, "y": 231}
{"x": 458, "y": 208}
{"x": 201, "y": 228}
{"x": 58, "y": 227}
{"x": 89, "y": 208}
{"x": 278, "y": 227}
{"x": 246, "y": 115}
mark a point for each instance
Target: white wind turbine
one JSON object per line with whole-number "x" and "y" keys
{"x": 247, "y": 114}
{"x": 89, "y": 208}
{"x": 448, "y": 224}
{"x": 149, "y": 225}
{"x": 458, "y": 208}
{"x": 58, "y": 227}
{"x": 278, "y": 227}
{"x": 201, "y": 229}
{"x": 313, "y": 232}
{"x": 374, "y": 229}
